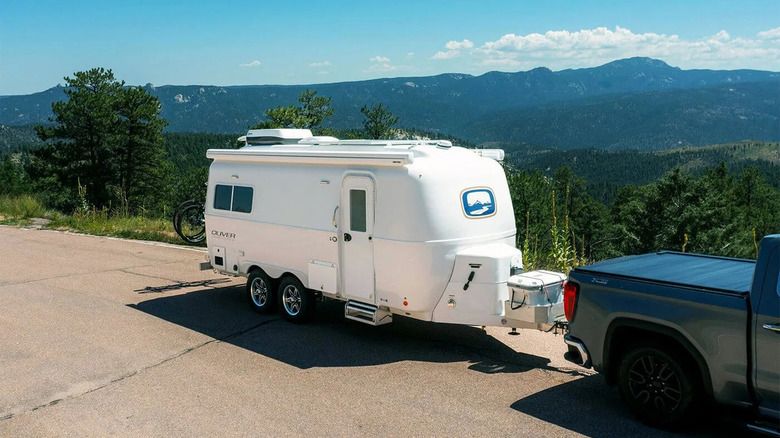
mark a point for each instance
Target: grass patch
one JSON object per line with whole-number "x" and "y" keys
{"x": 101, "y": 223}
{"x": 18, "y": 211}
{"x": 19, "y": 208}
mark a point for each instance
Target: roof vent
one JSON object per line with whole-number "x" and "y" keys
{"x": 276, "y": 136}
{"x": 318, "y": 140}
{"x": 495, "y": 154}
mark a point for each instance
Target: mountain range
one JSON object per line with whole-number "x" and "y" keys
{"x": 635, "y": 103}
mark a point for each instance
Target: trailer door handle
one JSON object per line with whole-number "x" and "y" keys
{"x": 773, "y": 327}
{"x": 347, "y": 237}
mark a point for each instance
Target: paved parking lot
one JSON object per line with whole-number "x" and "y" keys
{"x": 112, "y": 337}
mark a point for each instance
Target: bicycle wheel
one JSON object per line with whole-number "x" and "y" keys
{"x": 177, "y": 214}
{"x": 190, "y": 223}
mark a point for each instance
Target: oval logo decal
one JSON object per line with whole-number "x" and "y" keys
{"x": 478, "y": 202}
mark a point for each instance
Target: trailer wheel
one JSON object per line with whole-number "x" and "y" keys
{"x": 260, "y": 292}
{"x": 658, "y": 384}
{"x": 296, "y": 303}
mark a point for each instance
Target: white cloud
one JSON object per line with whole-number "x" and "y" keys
{"x": 446, "y": 55}
{"x": 453, "y": 49}
{"x": 320, "y": 64}
{"x": 771, "y": 34}
{"x": 254, "y": 63}
{"x": 589, "y": 39}
{"x": 383, "y": 64}
{"x": 376, "y": 67}
{"x": 459, "y": 45}
{"x": 589, "y": 47}
{"x": 410, "y": 55}
{"x": 721, "y": 36}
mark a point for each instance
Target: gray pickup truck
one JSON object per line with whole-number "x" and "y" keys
{"x": 675, "y": 330}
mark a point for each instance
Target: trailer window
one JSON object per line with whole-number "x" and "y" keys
{"x": 223, "y": 195}
{"x": 242, "y": 199}
{"x": 357, "y": 210}
{"x": 233, "y": 198}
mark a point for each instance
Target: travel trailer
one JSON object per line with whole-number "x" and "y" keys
{"x": 418, "y": 228}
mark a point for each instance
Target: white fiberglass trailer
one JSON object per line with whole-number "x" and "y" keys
{"x": 416, "y": 228}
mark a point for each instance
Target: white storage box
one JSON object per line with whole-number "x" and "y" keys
{"x": 535, "y": 297}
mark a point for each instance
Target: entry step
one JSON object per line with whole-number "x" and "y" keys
{"x": 367, "y": 313}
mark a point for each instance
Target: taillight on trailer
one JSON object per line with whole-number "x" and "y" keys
{"x": 570, "y": 291}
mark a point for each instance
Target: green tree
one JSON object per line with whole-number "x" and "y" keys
{"x": 106, "y": 138}
{"x": 13, "y": 180}
{"x": 140, "y": 156}
{"x": 314, "y": 109}
{"x": 79, "y": 141}
{"x": 282, "y": 117}
{"x": 379, "y": 120}
{"x": 310, "y": 115}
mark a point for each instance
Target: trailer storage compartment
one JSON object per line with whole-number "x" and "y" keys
{"x": 535, "y": 297}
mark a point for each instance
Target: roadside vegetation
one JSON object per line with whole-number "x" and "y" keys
{"x": 20, "y": 210}
{"x": 103, "y": 166}
{"x": 560, "y": 225}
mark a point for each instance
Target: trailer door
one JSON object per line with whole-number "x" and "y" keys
{"x": 356, "y": 238}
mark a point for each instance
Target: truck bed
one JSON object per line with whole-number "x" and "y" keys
{"x": 719, "y": 274}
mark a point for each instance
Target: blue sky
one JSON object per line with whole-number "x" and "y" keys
{"x": 307, "y": 42}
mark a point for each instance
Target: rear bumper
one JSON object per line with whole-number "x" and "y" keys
{"x": 578, "y": 353}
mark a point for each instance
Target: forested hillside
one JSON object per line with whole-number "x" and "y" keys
{"x": 604, "y": 171}
{"x": 645, "y": 121}
{"x": 559, "y": 225}
{"x": 607, "y": 171}
{"x": 18, "y": 139}
{"x": 637, "y": 103}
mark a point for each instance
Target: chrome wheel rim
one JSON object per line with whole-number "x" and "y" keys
{"x": 259, "y": 292}
{"x": 655, "y": 384}
{"x": 291, "y": 297}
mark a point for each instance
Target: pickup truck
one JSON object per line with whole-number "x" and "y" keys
{"x": 675, "y": 330}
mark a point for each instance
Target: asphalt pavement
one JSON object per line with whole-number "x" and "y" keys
{"x": 110, "y": 337}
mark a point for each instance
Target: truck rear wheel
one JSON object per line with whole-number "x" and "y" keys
{"x": 296, "y": 303}
{"x": 259, "y": 289}
{"x": 658, "y": 384}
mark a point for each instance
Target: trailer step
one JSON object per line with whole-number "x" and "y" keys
{"x": 367, "y": 313}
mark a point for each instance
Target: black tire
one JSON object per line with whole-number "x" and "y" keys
{"x": 260, "y": 292}
{"x": 189, "y": 222}
{"x": 296, "y": 303}
{"x": 658, "y": 384}
{"x": 177, "y": 214}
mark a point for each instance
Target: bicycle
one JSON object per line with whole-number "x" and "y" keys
{"x": 189, "y": 221}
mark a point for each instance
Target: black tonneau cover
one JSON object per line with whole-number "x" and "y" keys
{"x": 684, "y": 269}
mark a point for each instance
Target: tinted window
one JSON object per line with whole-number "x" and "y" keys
{"x": 222, "y": 197}
{"x": 242, "y": 199}
{"x": 357, "y": 210}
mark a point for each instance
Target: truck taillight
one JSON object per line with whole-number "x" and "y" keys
{"x": 570, "y": 291}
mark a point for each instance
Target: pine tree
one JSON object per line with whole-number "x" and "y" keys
{"x": 379, "y": 120}
{"x": 310, "y": 115}
{"x": 105, "y": 137}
